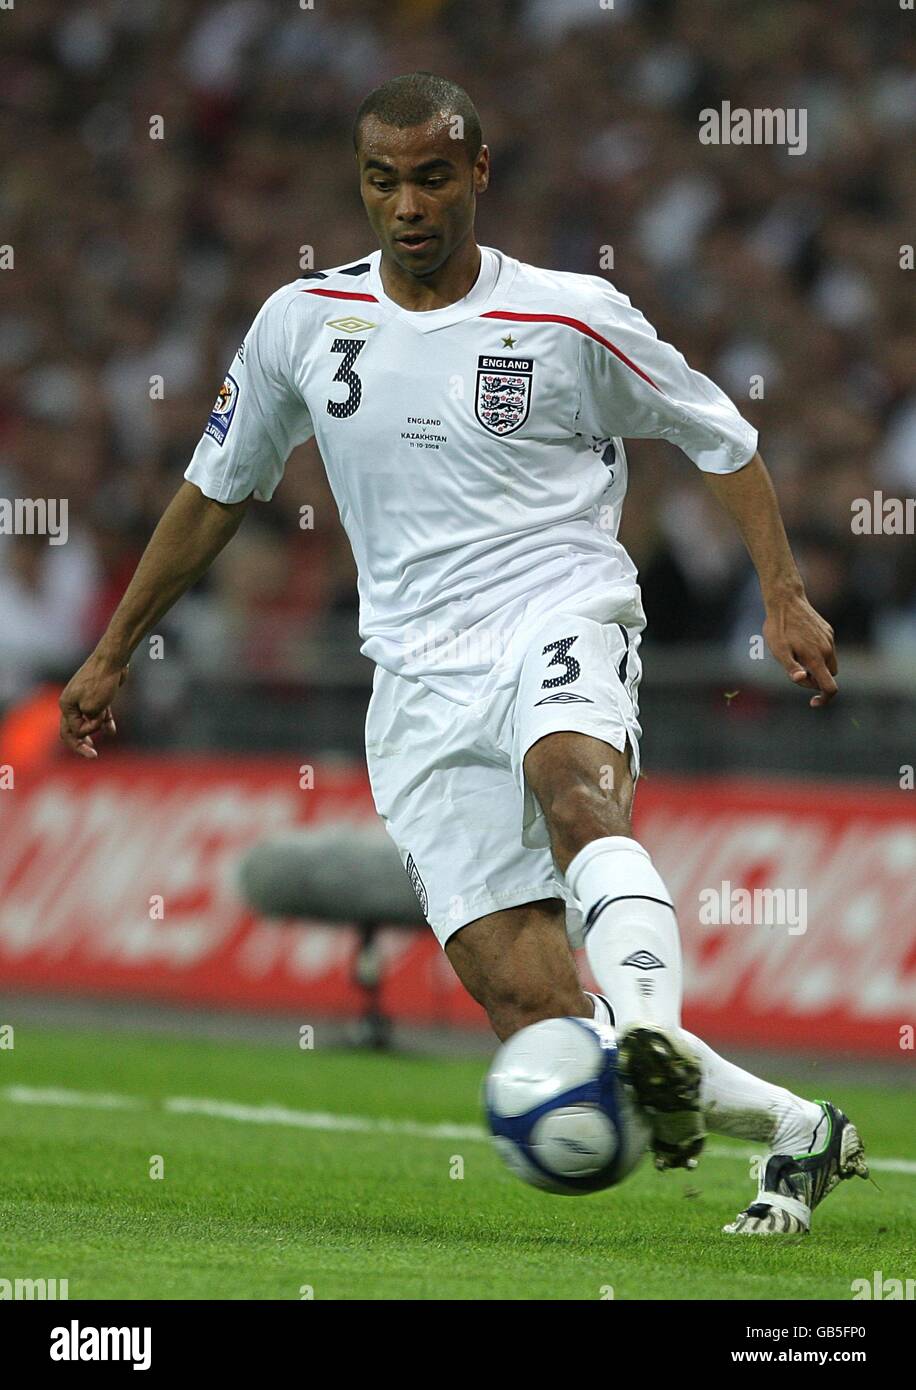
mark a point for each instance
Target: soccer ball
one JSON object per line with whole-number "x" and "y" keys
{"x": 558, "y": 1111}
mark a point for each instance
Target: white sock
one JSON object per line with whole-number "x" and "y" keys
{"x": 745, "y": 1107}
{"x": 601, "y": 1007}
{"x": 633, "y": 949}
{"x": 631, "y": 937}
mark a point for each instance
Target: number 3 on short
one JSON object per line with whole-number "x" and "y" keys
{"x": 561, "y": 654}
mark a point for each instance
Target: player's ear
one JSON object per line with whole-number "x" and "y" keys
{"x": 482, "y": 169}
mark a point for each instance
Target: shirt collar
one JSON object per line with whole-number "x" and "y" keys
{"x": 492, "y": 272}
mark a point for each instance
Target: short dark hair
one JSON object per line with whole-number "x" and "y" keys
{"x": 418, "y": 97}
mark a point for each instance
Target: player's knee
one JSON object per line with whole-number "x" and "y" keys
{"x": 579, "y": 812}
{"x": 513, "y": 1005}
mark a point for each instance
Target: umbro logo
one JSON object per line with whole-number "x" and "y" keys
{"x": 350, "y": 324}
{"x": 564, "y": 697}
{"x": 644, "y": 960}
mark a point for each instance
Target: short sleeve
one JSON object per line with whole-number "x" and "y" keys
{"x": 634, "y": 385}
{"x": 258, "y": 416}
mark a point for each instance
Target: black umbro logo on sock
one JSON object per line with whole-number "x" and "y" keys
{"x": 644, "y": 960}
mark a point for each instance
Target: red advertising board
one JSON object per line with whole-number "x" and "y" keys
{"x": 118, "y": 878}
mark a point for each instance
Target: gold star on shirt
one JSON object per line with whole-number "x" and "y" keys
{"x": 508, "y": 341}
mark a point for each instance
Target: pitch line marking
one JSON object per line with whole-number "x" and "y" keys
{"x": 318, "y": 1119}
{"x": 59, "y": 1095}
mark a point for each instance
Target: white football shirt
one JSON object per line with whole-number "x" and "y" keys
{"x": 474, "y": 452}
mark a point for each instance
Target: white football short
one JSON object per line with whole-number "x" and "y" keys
{"x": 448, "y": 781}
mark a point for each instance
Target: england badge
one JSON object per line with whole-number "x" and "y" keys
{"x": 503, "y": 393}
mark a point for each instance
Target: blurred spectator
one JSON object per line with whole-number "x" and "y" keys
{"x": 44, "y": 595}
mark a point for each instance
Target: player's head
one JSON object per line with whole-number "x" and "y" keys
{"x": 422, "y": 163}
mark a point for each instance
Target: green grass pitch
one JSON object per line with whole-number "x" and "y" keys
{"x": 257, "y": 1204}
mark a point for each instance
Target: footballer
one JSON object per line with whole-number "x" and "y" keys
{"x": 471, "y": 411}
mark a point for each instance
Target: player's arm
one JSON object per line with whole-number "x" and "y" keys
{"x": 191, "y": 533}
{"x": 635, "y": 385}
{"x": 797, "y": 636}
{"x": 258, "y": 418}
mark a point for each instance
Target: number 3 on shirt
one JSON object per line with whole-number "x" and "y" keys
{"x": 351, "y": 348}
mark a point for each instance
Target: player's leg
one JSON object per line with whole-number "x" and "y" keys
{"x": 576, "y": 750}
{"x": 585, "y": 788}
{"x": 448, "y": 797}
{"x": 518, "y": 965}
{"x": 743, "y": 1106}
{"x": 812, "y": 1145}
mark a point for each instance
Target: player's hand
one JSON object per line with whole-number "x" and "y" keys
{"x": 85, "y": 705}
{"x": 803, "y": 642}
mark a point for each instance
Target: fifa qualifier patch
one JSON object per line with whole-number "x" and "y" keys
{"x": 503, "y": 397}
{"x": 223, "y": 410}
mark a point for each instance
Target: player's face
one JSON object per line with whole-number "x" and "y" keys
{"x": 419, "y": 188}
